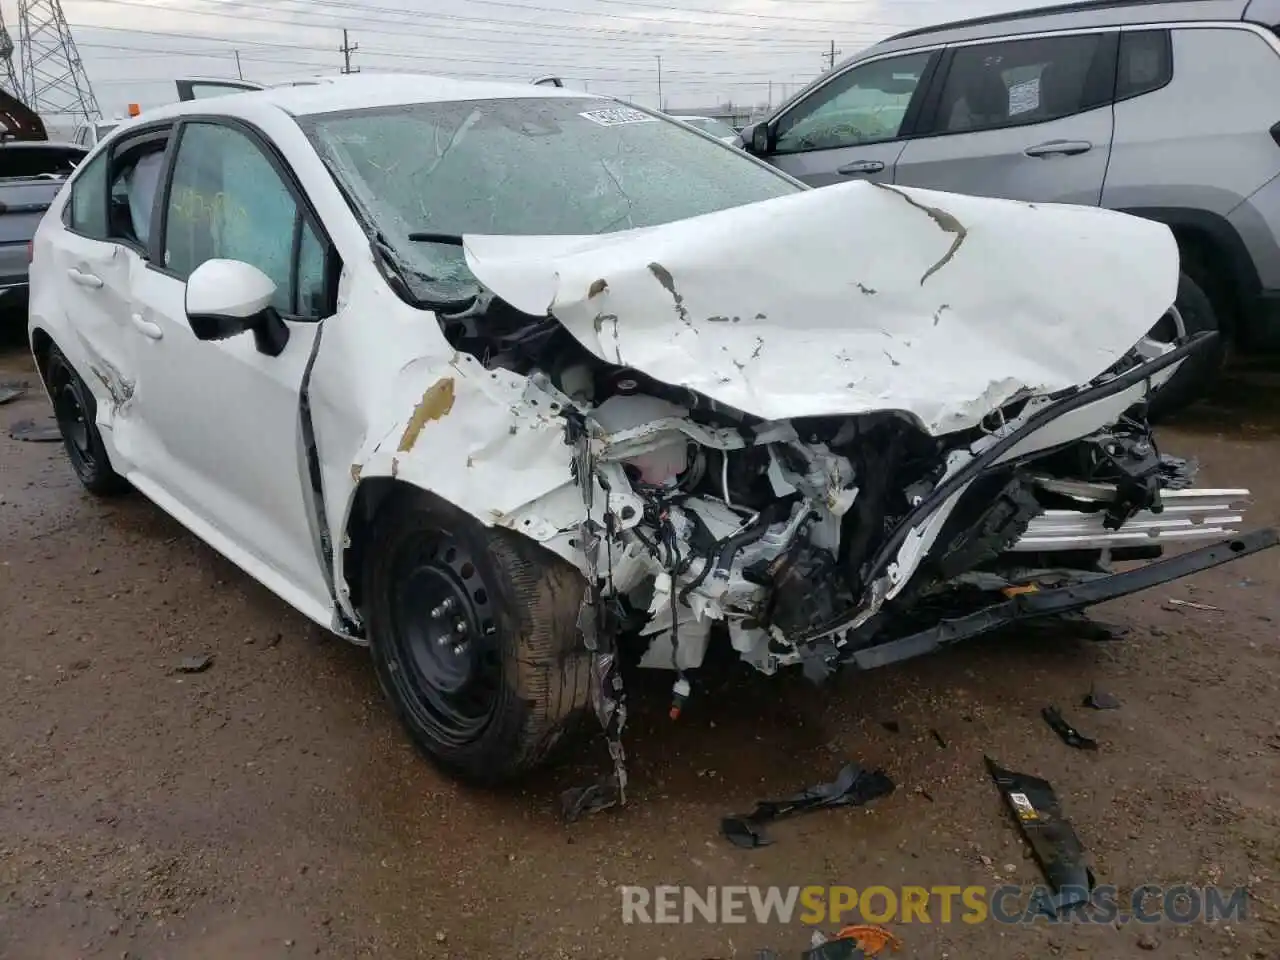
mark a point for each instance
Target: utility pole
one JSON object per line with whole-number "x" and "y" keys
{"x": 770, "y": 94}
{"x": 239, "y": 72}
{"x": 830, "y": 56}
{"x": 660, "y": 107}
{"x": 347, "y": 49}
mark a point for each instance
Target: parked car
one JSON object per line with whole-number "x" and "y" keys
{"x": 717, "y": 128}
{"x": 507, "y": 381}
{"x": 32, "y": 171}
{"x": 1158, "y": 109}
{"x": 88, "y": 133}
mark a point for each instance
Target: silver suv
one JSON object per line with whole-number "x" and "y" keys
{"x": 1166, "y": 110}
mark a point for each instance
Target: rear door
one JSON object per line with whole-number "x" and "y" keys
{"x": 1025, "y": 119}
{"x": 851, "y": 127}
{"x": 82, "y": 273}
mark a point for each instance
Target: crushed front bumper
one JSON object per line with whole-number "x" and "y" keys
{"x": 1078, "y": 596}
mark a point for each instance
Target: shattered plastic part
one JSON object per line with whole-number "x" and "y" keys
{"x": 853, "y": 786}
{"x": 1034, "y": 806}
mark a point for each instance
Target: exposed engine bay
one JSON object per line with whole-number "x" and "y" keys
{"x": 824, "y": 454}
{"x": 701, "y": 519}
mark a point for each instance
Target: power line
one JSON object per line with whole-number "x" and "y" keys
{"x": 752, "y": 31}
{"x": 416, "y": 58}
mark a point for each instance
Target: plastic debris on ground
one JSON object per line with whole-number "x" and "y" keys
{"x": 853, "y": 942}
{"x": 196, "y": 664}
{"x": 33, "y": 432}
{"x": 1035, "y": 808}
{"x": 1100, "y": 700}
{"x": 852, "y": 787}
{"x": 1192, "y": 605}
{"x": 11, "y": 391}
{"x": 1069, "y": 734}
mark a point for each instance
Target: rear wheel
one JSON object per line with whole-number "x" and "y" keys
{"x": 474, "y": 639}
{"x": 1198, "y": 371}
{"x": 75, "y": 410}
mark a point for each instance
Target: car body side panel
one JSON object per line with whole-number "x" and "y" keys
{"x": 391, "y": 399}
{"x": 991, "y": 163}
{"x": 85, "y": 303}
{"x": 218, "y": 430}
{"x": 1223, "y": 77}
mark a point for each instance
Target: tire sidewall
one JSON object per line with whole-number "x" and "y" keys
{"x": 481, "y": 759}
{"x": 98, "y": 476}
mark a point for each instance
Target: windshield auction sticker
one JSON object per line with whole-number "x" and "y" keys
{"x": 615, "y": 116}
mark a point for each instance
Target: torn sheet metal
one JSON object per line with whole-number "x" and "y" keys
{"x": 855, "y": 298}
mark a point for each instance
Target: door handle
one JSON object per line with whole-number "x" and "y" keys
{"x": 148, "y": 328}
{"x": 84, "y": 279}
{"x": 860, "y": 166}
{"x": 1059, "y": 148}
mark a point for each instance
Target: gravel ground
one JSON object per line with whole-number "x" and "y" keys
{"x": 269, "y": 807}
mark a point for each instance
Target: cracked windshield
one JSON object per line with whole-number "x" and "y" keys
{"x": 532, "y": 166}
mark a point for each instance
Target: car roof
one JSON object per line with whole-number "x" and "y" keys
{"x": 1064, "y": 16}
{"x": 355, "y": 91}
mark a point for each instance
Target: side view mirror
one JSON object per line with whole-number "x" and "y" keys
{"x": 228, "y": 297}
{"x": 758, "y": 138}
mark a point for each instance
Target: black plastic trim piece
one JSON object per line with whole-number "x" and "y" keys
{"x": 1029, "y": 606}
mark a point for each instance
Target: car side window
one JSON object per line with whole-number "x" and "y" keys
{"x": 866, "y": 104}
{"x": 86, "y": 212}
{"x": 227, "y": 200}
{"x": 1015, "y": 82}
{"x": 135, "y": 177}
{"x": 1145, "y": 63}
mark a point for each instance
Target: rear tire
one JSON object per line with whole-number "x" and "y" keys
{"x": 1199, "y": 371}
{"x": 474, "y": 639}
{"x": 75, "y": 411}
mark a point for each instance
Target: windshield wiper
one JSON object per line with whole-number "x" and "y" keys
{"x": 424, "y": 236}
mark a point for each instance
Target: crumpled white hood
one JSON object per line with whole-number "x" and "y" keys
{"x": 854, "y": 298}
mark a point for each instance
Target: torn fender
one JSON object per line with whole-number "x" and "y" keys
{"x": 487, "y": 442}
{"x": 854, "y": 298}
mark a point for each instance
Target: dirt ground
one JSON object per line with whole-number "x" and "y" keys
{"x": 269, "y": 807}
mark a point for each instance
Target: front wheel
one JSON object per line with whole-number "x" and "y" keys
{"x": 474, "y": 639}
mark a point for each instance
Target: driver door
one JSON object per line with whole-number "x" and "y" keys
{"x": 854, "y": 125}
{"x": 223, "y": 420}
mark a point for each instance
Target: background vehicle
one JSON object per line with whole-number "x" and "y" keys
{"x": 1161, "y": 109}
{"x": 717, "y": 128}
{"x": 32, "y": 170}
{"x": 88, "y": 134}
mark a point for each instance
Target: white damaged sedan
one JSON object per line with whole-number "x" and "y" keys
{"x": 512, "y": 383}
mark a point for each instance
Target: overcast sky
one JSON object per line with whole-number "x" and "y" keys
{"x": 711, "y": 50}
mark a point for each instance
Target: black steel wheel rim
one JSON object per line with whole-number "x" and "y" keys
{"x": 72, "y": 415}
{"x": 444, "y": 633}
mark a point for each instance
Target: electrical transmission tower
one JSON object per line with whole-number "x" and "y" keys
{"x": 9, "y": 74}
{"x": 54, "y": 83}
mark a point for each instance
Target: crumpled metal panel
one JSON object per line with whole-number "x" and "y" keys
{"x": 854, "y": 298}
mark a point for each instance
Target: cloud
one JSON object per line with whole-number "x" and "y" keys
{"x": 744, "y": 51}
